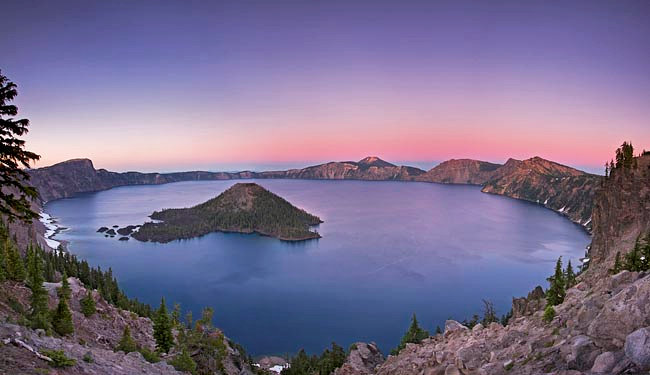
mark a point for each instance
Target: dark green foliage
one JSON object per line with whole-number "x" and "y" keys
{"x": 59, "y": 359}
{"x": 39, "y": 316}
{"x": 438, "y": 330}
{"x": 16, "y": 194}
{"x": 549, "y": 314}
{"x": 92, "y": 278}
{"x": 64, "y": 291}
{"x": 62, "y": 318}
{"x": 638, "y": 259}
{"x": 267, "y": 214}
{"x": 176, "y": 315}
{"x": 88, "y": 358}
{"x": 183, "y": 362}
{"x": 471, "y": 322}
{"x": 127, "y": 344}
{"x": 88, "y": 305}
{"x": 569, "y": 276}
{"x": 489, "y": 313}
{"x": 329, "y": 360}
{"x": 625, "y": 156}
{"x": 14, "y": 266}
{"x": 557, "y": 290}
{"x": 414, "y": 335}
{"x": 149, "y": 355}
{"x": 505, "y": 319}
{"x": 162, "y": 329}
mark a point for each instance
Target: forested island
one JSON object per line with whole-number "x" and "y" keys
{"x": 243, "y": 208}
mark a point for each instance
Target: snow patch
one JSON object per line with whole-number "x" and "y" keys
{"x": 51, "y": 230}
{"x": 546, "y": 201}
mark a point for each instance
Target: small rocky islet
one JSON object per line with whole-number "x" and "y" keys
{"x": 124, "y": 232}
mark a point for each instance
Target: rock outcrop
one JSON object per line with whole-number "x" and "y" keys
{"x": 362, "y": 360}
{"x": 563, "y": 189}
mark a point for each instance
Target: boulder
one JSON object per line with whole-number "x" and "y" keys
{"x": 583, "y": 353}
{"x": 637, "y": 348}
{"x": 605, "y": 362}
{"x": 452, "y": 326}
{"x": 362, "y": 360}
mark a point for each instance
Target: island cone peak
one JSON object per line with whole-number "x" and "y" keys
{"x": 243, "y": 208}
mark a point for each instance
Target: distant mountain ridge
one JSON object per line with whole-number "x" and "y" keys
{"x": 556, "y": 186}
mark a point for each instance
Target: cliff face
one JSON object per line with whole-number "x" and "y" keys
{"x": 461, "y": 171}
{"x": 558, "y": 187}
{"x": 75, "y": 176}
{"x": 621, "y": 212}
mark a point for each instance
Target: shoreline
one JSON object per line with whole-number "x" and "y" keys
{"x": 52, "y": 228}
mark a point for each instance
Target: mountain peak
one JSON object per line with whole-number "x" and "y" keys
{"x": 374, "y": 161}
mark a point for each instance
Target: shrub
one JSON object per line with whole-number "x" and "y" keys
{"x": 149, "y": 355}
{"x": 183, "y": 362}
{"x": 88, "y": 358}
{"x": 59, "y": 359}
{"x": 549, "y": 314}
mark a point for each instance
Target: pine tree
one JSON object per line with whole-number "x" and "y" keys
{"x": 176, "y": 315}
{"x": 40, "y": 315}
{"x": 557, "y": 291}
{"x": 62, "y": 318}
{"x": 162, "y": 329}
{"x": 127, "y": 344}
{"x": 14, "y": 159}
{"x": 88, "y": 304}
{"x": 414, "y": 335}
{"x": 570, "y": 276}
{"x": 3, "y": 272}
{"x": 188, "y": 319}
{"x": 633, "y": 261}
{"x": 13, "y": 262}
{"x": 64, "y": 291}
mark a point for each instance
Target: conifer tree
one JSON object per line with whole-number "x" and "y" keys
{"x": 557, "y": 291}
{"x": 88, "y": 304}
{"x": 162, "y": 329}
{"x": 15, "y": 267}
{"x": 16, "y": 195}
{"x": 62, "y": 318}
{"x": 633, "y": 261}
{"x": 438, "y": 330}
{"x": 570, "y": 276}
{"x": 127, "y": 344}
{"x": 64, "y": 291}
{"x": 414, "y": 335}
{"x": 3, "y": 272}
{"x": 176, "y": 315}
{"x": 188, "y": 319}
{"x": 39, "y": 316}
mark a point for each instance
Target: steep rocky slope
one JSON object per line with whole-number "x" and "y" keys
{"x": 94, "y": 337}
{"x": 558, "y": 187}
{"x": 602, "y": 327}
{"x": 370, "y": 168}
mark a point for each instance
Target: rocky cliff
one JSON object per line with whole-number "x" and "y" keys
{"x": 602, "y": 327}
{"x": 556, "y": 186}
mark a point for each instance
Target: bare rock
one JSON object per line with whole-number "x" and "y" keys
{"x": 605, "y": 362}
{"x": 452, "y": 326}
{"x": 362, "y": 360}
{"x": 637, "y": 348}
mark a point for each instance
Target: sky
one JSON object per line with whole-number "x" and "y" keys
{"x": 230, "y": 85}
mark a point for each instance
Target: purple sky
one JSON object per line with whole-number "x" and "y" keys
{"x": 259, "y": 84}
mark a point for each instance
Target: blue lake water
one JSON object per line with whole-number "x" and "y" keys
{"x": 389, "y": 249}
